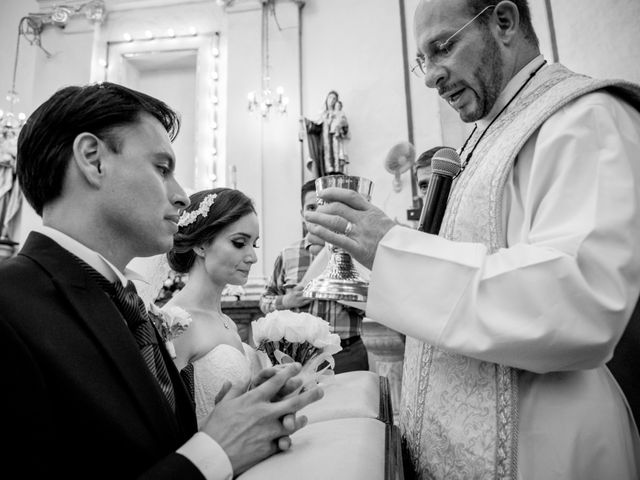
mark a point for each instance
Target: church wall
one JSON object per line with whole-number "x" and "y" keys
{"x": 361, "y": 59}
{"x": 601, "y": 39}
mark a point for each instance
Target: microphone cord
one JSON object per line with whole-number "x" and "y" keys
{"x": 468, "y": 157}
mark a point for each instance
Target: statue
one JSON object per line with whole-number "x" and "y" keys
{"x": 326, "y": 138}
{"x": 10, "y": 195}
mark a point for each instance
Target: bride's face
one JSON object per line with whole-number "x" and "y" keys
{"x": 228, "y": 259}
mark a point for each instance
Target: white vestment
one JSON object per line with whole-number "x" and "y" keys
{"x": 551, "y": 303}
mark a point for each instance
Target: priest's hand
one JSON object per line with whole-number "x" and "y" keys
{"x": 350, "y": 222}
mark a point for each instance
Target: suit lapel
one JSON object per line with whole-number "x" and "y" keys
{"x": 97, "y": 314}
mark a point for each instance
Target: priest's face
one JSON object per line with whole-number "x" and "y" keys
{"x": 459, "y": 56}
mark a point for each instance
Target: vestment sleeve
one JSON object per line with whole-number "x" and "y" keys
{"x": 560, "y": 295}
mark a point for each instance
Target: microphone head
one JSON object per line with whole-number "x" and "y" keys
{"x": 446, "y": 161}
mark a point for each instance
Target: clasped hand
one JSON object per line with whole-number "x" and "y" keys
{"x": 258, "y": 423}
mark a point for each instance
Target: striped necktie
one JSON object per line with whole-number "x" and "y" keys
{"x": 134, "y": 312}
{"x": 132, "y": 308}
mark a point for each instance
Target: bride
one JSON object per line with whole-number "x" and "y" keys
{"x": 215, "y": 245}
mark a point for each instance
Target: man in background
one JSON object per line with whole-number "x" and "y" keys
{"x": 422, "y": 170}
{"x": 284, "y": 292}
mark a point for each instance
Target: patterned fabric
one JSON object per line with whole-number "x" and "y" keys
{"x": 187, "y": 375}
{"x": 460, "y": 415}
{"x": 223, "y": 363}
{"x": 132, "y": 308}
{"x": 290, "y": 267}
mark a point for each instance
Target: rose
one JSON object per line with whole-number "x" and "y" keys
{"x": 177, "y": 320}
{"x": 171, "y": 323}
{"x": 298, "y": 336}
{"x": 285, "y": 336}
{"x": 293, "y": 327}
{"x": 267, "y": 329}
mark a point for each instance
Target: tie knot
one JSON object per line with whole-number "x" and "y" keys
{"x": 129, "y": 288}
{"x": 131, "y": 305}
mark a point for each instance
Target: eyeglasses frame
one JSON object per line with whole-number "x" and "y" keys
{"x": 420, "y": 62}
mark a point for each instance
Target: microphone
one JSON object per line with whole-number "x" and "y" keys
{"x": 445, "y": 165}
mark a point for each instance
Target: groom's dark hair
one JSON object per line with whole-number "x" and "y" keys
{"x": 45, "y": 144}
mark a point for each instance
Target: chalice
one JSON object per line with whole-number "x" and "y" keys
{"x": 340, "y": 280}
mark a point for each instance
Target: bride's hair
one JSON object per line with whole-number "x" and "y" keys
{"x": 209, "y": 213}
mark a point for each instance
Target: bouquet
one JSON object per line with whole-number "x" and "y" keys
{"x": 171, "y": 323}
{"x": 285, "y": 336}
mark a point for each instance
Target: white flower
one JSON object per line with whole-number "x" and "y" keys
{"x": 187, "y": 218}
{"x": 171, "y": 323}
{"x": 287, "y": 336}
{"x": 293, "y": 327}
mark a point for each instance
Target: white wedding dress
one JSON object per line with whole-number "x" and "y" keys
{"x": 223, "y": 362}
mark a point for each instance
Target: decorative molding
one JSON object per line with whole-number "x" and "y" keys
{"x": 118, "y": 5}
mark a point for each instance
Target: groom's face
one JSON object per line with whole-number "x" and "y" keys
{"x": 142, "y": 200}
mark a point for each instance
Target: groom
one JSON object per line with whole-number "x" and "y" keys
{"x": 85, "y": 393}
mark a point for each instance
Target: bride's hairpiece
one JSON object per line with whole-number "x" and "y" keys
{"x": 187, "y": 218}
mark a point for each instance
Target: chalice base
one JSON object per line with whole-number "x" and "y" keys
{"x": 339, "y": 281}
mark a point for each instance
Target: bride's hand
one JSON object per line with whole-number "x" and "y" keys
{"x": 226, "y": 386}
{"x": 290, "y": 386}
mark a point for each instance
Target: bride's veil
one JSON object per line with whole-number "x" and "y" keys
{"x": 154, "y": 272}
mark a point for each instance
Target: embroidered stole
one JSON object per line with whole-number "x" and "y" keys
{"x": 459, "y": 415}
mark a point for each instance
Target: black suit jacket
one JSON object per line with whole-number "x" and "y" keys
{"x": 77, "y": 399}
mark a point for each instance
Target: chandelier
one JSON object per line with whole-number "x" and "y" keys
{"x": 30, "y": 27}
{"x": 11, "y": 123}
{"x": 267, "y": 100}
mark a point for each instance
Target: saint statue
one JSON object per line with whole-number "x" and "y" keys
{"x": 10, "y": 195}
{"x": 326, "y": 138}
